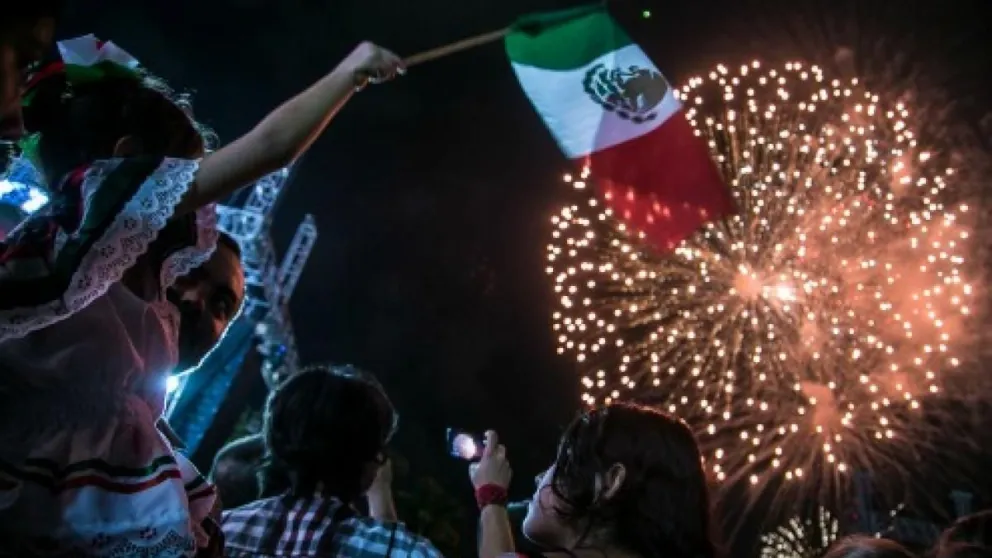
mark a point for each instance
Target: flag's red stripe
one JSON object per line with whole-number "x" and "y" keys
{"x": 663, "y": 183}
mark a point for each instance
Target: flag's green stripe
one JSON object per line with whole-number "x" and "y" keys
{"x": 565, "y": 40}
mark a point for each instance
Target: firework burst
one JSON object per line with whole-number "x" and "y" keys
{"x": 800, "y": 335}
{"x": 800, "y": 538}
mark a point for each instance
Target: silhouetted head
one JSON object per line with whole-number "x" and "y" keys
{"x": 629, "y": 477}
{"x": 236, "y": 473}
{"x": 327, "y": 428}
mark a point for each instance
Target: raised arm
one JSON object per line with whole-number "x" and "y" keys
{"x": 491, "y": 478}
{"x": 288, "y": 131}
{"x": 496, "y": 534}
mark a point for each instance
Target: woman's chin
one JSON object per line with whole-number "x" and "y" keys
{"x": 532, "y": 528}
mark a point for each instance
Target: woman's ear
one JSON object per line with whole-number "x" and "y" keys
{"x": 609, "y": 483}
{"x": 127, "y": 146}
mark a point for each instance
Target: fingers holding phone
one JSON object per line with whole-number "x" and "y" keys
{"x": 493, "y": 468}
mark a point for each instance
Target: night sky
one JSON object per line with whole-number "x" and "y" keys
{"x": 433, "y": 194}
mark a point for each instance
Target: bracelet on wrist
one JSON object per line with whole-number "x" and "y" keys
{"x": 490, "y": 495}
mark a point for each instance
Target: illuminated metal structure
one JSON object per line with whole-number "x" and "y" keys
{"x": 269, "y": 284}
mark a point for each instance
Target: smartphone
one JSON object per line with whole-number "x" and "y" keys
{"x": 464, "y": 445}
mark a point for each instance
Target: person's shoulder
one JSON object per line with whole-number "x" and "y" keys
{"x": 263, "y": 507}
{"x": 248, "y": 527}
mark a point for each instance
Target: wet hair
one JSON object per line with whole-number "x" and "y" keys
{"x": 81, "y": 123}
{"x": 324, "y": 425}
{"x": 969, "y": 536}
{"x": 662, "y": 507}
{"x": 860, "y": 546}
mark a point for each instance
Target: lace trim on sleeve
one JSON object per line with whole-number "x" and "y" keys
{"x": 120, "y": 245}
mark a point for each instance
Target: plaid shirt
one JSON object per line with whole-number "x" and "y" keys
{"x": 316, "y": 527}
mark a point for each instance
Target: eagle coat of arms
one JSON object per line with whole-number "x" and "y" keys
{"x": 632, "y": 93}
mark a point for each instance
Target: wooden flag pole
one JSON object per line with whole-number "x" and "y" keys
{"x": 452, "y": 48}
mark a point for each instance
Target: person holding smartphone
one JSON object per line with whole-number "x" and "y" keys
{"x": 627, "y": 482}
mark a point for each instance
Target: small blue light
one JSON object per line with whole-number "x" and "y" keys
{"x": 36, "y": 200}
{"x": 28, "y": 198}
{"x": 23, "y": 186}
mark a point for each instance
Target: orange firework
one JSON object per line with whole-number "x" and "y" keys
{"x": 799, "y": 336}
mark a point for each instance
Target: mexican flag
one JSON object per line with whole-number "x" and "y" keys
{"x": 610, "y": 108}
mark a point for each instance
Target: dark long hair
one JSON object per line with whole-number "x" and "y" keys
{"x": 323, "y": 426}
{"x": 81, "y": 123}
{"x": 662, "y": 507}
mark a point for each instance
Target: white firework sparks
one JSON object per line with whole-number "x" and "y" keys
{"x": 798, "y": 336}
{"x": 800, "y": 538}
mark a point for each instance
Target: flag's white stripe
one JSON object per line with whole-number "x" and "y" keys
{"x": 581, "y": 125}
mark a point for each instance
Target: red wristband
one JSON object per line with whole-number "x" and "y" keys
{"x": 490, "y": 495}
